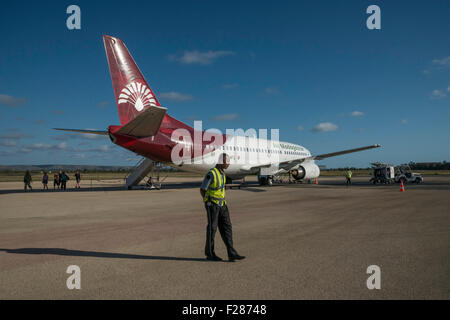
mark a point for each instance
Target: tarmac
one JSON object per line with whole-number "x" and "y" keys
{"x": 302, "y": 241}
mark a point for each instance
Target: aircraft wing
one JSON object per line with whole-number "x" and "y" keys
{"x": 287, "y": 165}
{"x": 338, "y": 153}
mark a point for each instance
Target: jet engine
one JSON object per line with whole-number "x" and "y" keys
{"x": 307, "y": 170}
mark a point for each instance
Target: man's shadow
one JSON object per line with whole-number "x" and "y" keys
{"x": 80, "y": 253}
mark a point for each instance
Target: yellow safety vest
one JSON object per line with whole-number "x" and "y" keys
{"x": 216, "y": 190}
{"x": 349, "y": 174}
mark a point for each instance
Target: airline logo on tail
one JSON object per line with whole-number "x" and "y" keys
{"x": 138, "y": 94}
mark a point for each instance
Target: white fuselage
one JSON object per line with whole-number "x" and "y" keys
{"x": 247, "y": 156}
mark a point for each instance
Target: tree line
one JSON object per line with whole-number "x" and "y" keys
{"x": 444, "y": 165}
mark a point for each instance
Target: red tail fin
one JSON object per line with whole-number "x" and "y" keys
{"x": 133, "y": 94}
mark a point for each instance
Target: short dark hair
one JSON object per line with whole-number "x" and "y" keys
{"x": 222, "y": 157}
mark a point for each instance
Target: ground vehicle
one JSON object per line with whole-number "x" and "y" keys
{"x": 404, "y": 174}
{"x": 382, "y": 173}
{"x": 265, "y": 180}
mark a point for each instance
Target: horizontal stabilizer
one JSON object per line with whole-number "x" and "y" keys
{"x": 146, "y": 124}
{"x": 85, "y": 131}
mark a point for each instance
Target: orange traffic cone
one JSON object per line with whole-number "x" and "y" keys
{"x": 402, "y": 187}
{"x": 316, "y": 182}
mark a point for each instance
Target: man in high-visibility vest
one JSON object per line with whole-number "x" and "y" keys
{"x": 213, "y": 194}
{"x": 348, "y": 175}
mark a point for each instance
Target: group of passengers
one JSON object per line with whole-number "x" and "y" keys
{"x": 59, "y": 180}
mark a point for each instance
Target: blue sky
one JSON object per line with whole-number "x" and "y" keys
{"x": 310, "y": 68}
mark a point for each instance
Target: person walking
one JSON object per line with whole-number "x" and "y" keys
{"x": 77, "y": 179}
{"x": 64, "y": 179}
{"x": 60, "y": 174}
{"x": 56, "y": 181}
{"x": 212, "y": 191}
{"x": 27, "y": 180}
{"x": 348, "y": 175}
{"x": 45, "y": 180}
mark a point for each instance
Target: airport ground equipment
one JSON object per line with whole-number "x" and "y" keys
{"x": 265, "y": 180}
{"x": 230, "y": 184}
{"x": 402, "y": 186}
{"x": 382, "y": 173}
{"x": 139, "y": 173}
{"x": 277, "y": 179}
{"x": 404, "y": 174}
{"x": 154, "y": 180}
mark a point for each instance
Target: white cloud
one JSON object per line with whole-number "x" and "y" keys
{"x": 25, "y": 150}
{"x": 79, "y": 135}
{"x": 300, "y": 128}
{"x": 438, "y": 94}
{"x": 448, "y": 89}
{"x": 325, "y": 127}
{"x": 64, "y": 146}
{"x": 404, "y": 121}
{"x": 357, "y": 114}
{"x": 442, "y": 62}
{"x": 226, "y": 117}
{"x": 38, "y": 146}
{"x": 61, "y": 146}
{"x": 438, "y": 64}
{"x": 44, "y": 147}
{"x": 198, "y": 57}
{"x": 103, "y": 149}
{"x": 175, "y": 96}
{"x": 11, "y": 101}
{"x": 8, "y": 143}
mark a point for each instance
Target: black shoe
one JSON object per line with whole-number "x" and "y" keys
{"x": 235, "y": 257}
{"x": 213, "y": 258}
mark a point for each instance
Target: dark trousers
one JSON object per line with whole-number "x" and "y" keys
{"x": 218, "y": 217}
{"x": 349, "y": 181}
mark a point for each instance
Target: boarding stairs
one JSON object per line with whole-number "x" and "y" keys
{"x": 141, "y": 170}
{"x": 146, "y": 169}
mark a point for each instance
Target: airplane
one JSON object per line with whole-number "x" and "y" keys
{"x": 147, "y": 130}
